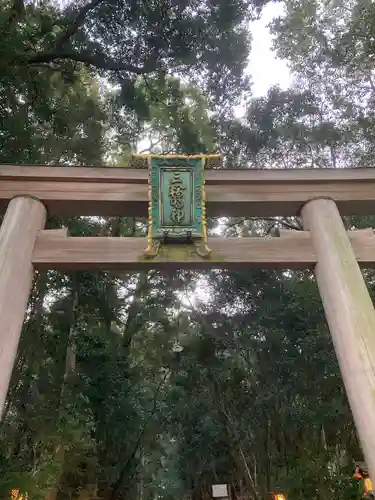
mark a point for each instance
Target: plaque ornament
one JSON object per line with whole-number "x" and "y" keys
{"x": 177, "y": 203}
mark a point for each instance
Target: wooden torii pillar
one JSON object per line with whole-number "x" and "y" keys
{"x": 350, "y": 315}
{"x": 24, "y": 217}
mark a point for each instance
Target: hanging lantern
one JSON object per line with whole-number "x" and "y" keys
{"x": 367, "y": 487}
{"x": 16, "y": 495}
{"x": 278, "y": 496}
{"x": 361, "y": 474}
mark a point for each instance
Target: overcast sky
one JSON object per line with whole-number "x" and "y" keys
{"x": 265, "y": 69}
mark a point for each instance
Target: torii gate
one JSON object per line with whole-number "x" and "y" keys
{"x": 317, "y": 195}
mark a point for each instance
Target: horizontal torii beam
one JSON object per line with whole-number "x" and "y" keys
{"x": 54, "y": 249}
{"x": 109, "y": 191}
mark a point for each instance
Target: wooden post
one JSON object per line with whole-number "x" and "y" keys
{"x": 24, "y": 217}
{"x": 350, "y": 315}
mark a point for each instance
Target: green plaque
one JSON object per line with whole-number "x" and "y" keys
{"x": 177, "y": 208}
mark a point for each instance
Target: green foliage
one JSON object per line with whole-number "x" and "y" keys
{"x": 178, "y": 117}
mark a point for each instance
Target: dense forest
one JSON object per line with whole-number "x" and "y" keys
{"x": 152, "y": 386}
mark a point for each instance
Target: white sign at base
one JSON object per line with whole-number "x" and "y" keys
{"x": 220, "y": 490}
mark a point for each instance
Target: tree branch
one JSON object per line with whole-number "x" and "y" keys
{"x": 99, "y": 61}
{"x": 274, "y": 220}
{"x": 76, "y": 24}
{"x": 153, "y": 145}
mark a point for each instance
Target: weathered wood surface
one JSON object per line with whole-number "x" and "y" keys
{"x": 350, "y": 314}
{"x": 22, "y": 221}
{"x": 122, "y": 191}
{"x": 219, "y": 176}
{"x": 293, "y": 250}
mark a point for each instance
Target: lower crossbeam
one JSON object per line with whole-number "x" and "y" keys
{"x": 54, "y": 249}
